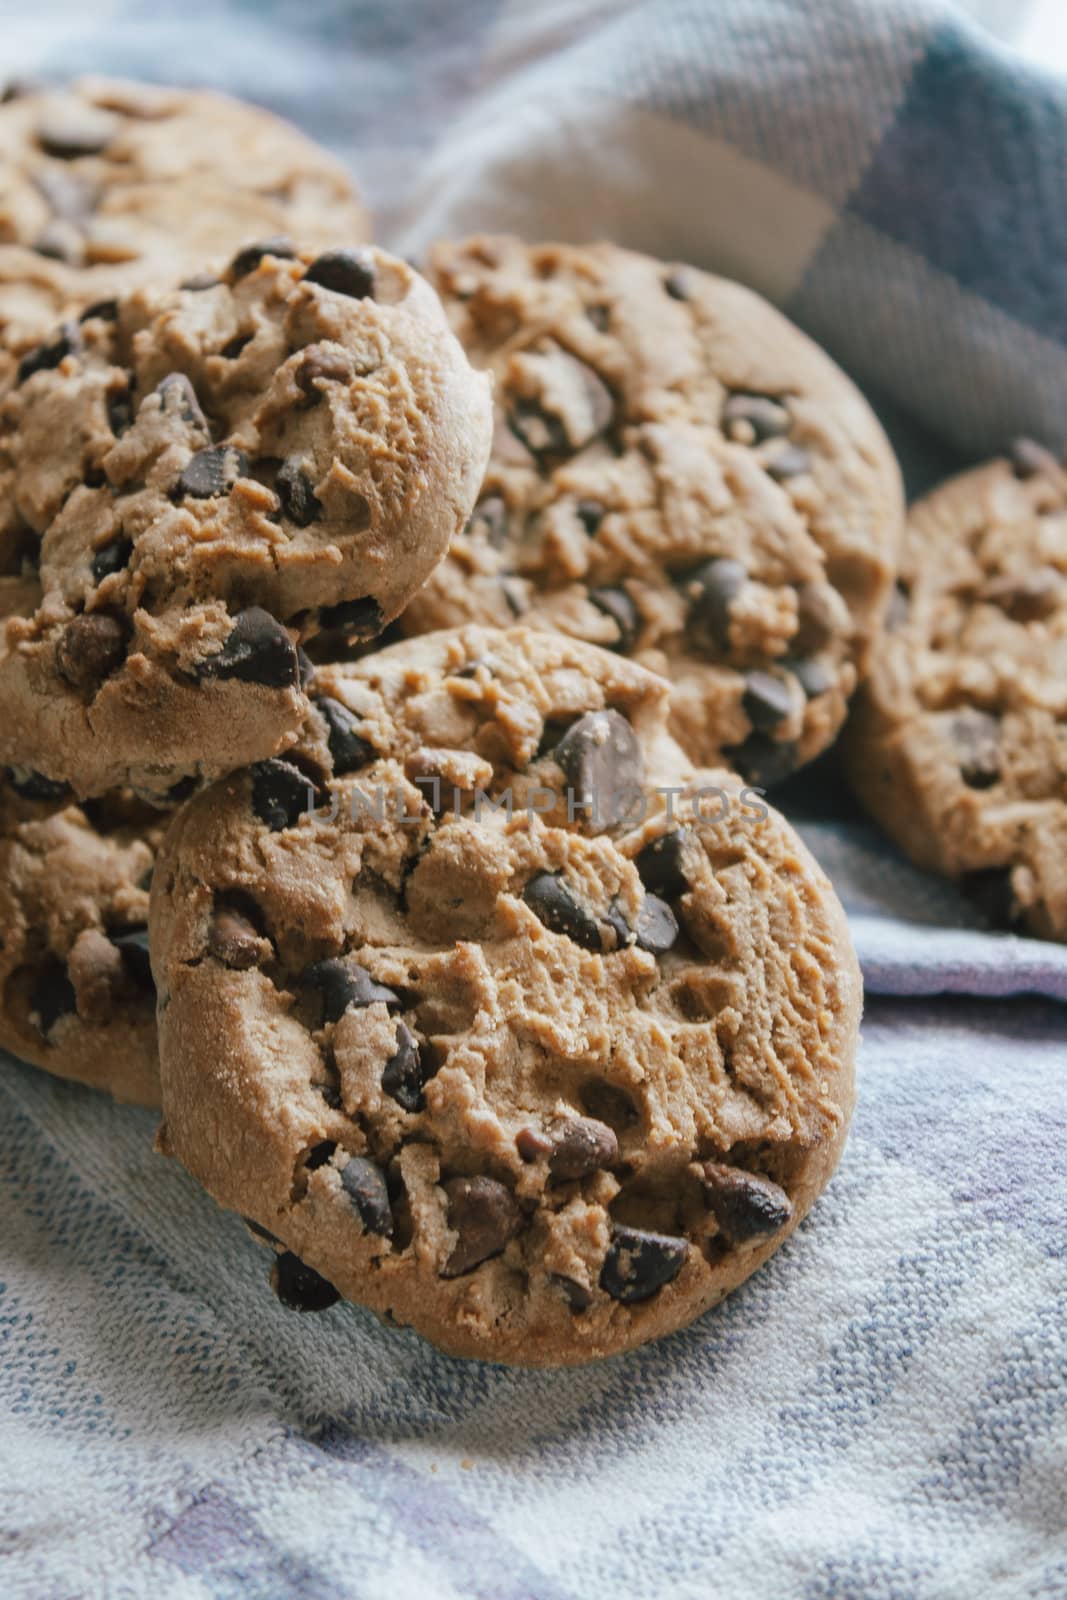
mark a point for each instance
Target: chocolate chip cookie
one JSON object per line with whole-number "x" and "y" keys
{"x": 106, "y": 186}
{"x": 196, "y": 480}
{"x": 494, "y": 1014}
{"x": 76, "y": 993}
{"x": 958, "y": 742}
{"x": 679, "y": 475}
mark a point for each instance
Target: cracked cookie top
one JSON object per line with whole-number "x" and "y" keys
{"x": 76, "y": 992}
{"x": 195, "y": 480}
{"x": 680, "y": 475}
{"x": 958, "y": 743}
{"x": 494, "y": 1014}
{"x": 107, "y": 185}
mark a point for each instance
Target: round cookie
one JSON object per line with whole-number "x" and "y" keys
{"x": 197, "y": 479}
{"x": 76, "y": 993}
{"x": 106, "y": 186}
{"x": 679, "y": 474}
{"x": 543, "y": 1087}
{"x": 958, "y": 740}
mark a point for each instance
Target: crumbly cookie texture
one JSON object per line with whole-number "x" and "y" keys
{"x": 958, "y": 742}
{"x": 542, "y": 1086}
{"x": 106, "y": 186}
{"x": 197, "y": 479}
{"x": 678, "y": 474}
{"x": 76, "y": 992}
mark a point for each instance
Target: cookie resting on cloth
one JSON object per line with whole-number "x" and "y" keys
{"x": 76, "y": 993}
{"x": 107, "y": 185}
{"x": 958, "y": 742}
{"x": 542, "y": 1087}
{"x": 193, "y": 481}
{"x": 678, "y": 474}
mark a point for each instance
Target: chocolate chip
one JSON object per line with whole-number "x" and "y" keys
{"x": 814, "y": 677}
{"x": 305, "y": 667}
{"x": 404, "y": 1073}
{"x": 233, "y": 347}
{"x": 90, "y": 648}
{"x": 657, "y": 926}
{"x": 744, "y": 1204}
{"x": 975, "y": 736}
{"x": 751, "y": 418}
{"x": 661, "y": 865}
{"x": 344, "y": 984}
{"x": 532, "y": 1144}
{"x": 59, "y": 240}
{"x": 711, "y": 589}
{"x": 546, "y": 432}
{"x": 213, "y": 471}
{"x": 47, "y": 357}
{"x": 257, "y": 650}
{"x": 33, "y": 785}
{"x": 52, "y": 996}
{"x": 553, "y": 903}
{"x": 71, "y": 197}
{"x": 789, "y": 463}
{"x": 178, "y": 397}
{"x": 360, "y": 619}
{"x": 110, "y": 558}
{"x": 1027, "y": 596}
{"x": 485, "y": 1215}
{"x": 489, "y": 520}
{"x": 610, "y": 1104}
{"x": 515, "y": 595}
{"x": 678, "y": 283}
{"x": 247, "y": 259}
{"x": 618, "y": 925}
{"x": 19, "y": 88}
{"x": 133, "y": 945}
{"x": 297, "y": 494}
{"x": 638, "y": 1264}
{"x": 233, "y": 940}
{"x": 992, "y": 892}
{"x": 199, "y": 282}
{"x": 600, "y": 757}
{"x": 119, "y": 411}
{"x": 1030, "y": 459}
{"x": 816, "y": 618}
{"x": 322, "y": 363}
{"x": 616, "y": 604}
{"x": 348, "y": 749}
{"x": 299, "y": 1287}
{"x": 898, "y": 609}
{"x": 71, "y": 134}
{"x": 281, "y": 794}
{"x": 590, "y": 514}
{"x": 762, "y": 761}
{"x": 580, "y": 1146}
{"x": 349, "y": 272}
{"x": 364, "y": 1185}
{"x": 766, "y": 701}
{"x": 101, "y": 310}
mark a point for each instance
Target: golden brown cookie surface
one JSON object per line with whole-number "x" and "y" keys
{"x": 678, "y": 474}
{"x": 958, "y": 742}
{"x": 107, "y": 185}
{"x": 542, "y": 1085}
{"x": 195, "y": 480}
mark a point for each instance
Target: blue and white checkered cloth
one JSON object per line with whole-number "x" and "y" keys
{"x": 881, "y": 1414}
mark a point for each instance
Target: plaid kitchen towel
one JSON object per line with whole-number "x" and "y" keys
{"x": 880, "y": 1413}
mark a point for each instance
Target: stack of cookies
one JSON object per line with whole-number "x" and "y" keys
{"x": 393, "y": 669}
